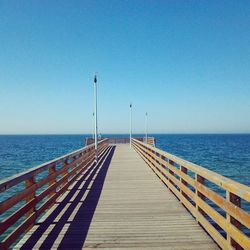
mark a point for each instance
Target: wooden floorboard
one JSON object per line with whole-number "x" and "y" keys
{"x": 121, "y": 205}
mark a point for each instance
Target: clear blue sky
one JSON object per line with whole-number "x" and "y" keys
{"x": 187, "y": 63}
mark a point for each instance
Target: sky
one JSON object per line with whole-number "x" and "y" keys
{"x": 186, "y": 63}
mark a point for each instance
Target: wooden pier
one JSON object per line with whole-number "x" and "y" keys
{"x": 139, "y": 198}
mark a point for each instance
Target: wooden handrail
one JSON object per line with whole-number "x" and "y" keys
{"x": 191, "y": 185}
{"x": 54, "y": 178}
{"x": 118, "y": 140}
{"x": 151, "y": 140}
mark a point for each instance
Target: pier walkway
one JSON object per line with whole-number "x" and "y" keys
{"x": 119, "y": 203}
{"x": 137, "y": 197}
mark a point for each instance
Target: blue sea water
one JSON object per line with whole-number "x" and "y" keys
{"x": 21, "y": 152}
{"x": 228, "y": 155}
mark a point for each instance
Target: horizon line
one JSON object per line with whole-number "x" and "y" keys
{"x": 157, "y": 133}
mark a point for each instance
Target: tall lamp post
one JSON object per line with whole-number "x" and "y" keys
{"x": 93, "y": 135}
{"x": 130, "y": 137}
{"x": 146, "y": 127}
{"x": 95, "y": 113}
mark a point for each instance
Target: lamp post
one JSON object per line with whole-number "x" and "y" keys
{"x": 95, "y": 113}
{"x": 130, "y": 137}
{"x": 93, "y": 132}
{"x": 146, "y": 127}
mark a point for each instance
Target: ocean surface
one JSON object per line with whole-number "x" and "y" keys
{"x": 228, "y": 155}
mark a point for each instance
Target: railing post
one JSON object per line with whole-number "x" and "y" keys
{"x": 65, "y": 170}
{"x": 184, "y": 171}
{"x": 154, "y": 161}
{"x": 64, "y": 173}
{"x": 28, "y": 183}
{"x": 52, "y": 170}
{"x": 201, "y": 180}
{"x": 170, "y": 171}
{"x": 233, "y": 198}
{"x": 164, "y": 167}
{"x": 76, "y": 164}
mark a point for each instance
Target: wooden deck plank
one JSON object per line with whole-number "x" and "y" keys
{"x": 134, "y": 210}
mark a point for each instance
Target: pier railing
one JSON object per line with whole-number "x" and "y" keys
{"x": 221, "y": 212}
{"x": 150, "y": 140}
{"x": 26, "y": 196}
{"x": 115, "y": 140}
{"x": 119, "y": 140}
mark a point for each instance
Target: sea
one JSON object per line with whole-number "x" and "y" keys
{"x": 226, "y": 154}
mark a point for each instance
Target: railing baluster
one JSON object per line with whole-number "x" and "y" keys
{"x": 28, "y": 183}
{"x": 201, "y": 180}
{"x": 184, "y": 171}
{"x": 233, "y": 198}
{"x": 52, "y": 170}
{"x": 170, "y": 171}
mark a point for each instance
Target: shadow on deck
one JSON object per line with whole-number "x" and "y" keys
{"x": 68, "y": 224}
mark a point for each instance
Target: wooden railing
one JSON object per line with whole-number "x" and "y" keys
{"x": 218, "y": 212}
{"x": 149, "y": 140}
{"x": 37, "y": 190}
{"x": 89, "y": 141}
{"x": 119, "y": 140}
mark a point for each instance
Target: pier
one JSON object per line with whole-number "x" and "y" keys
{"x": 137, "y": 197}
